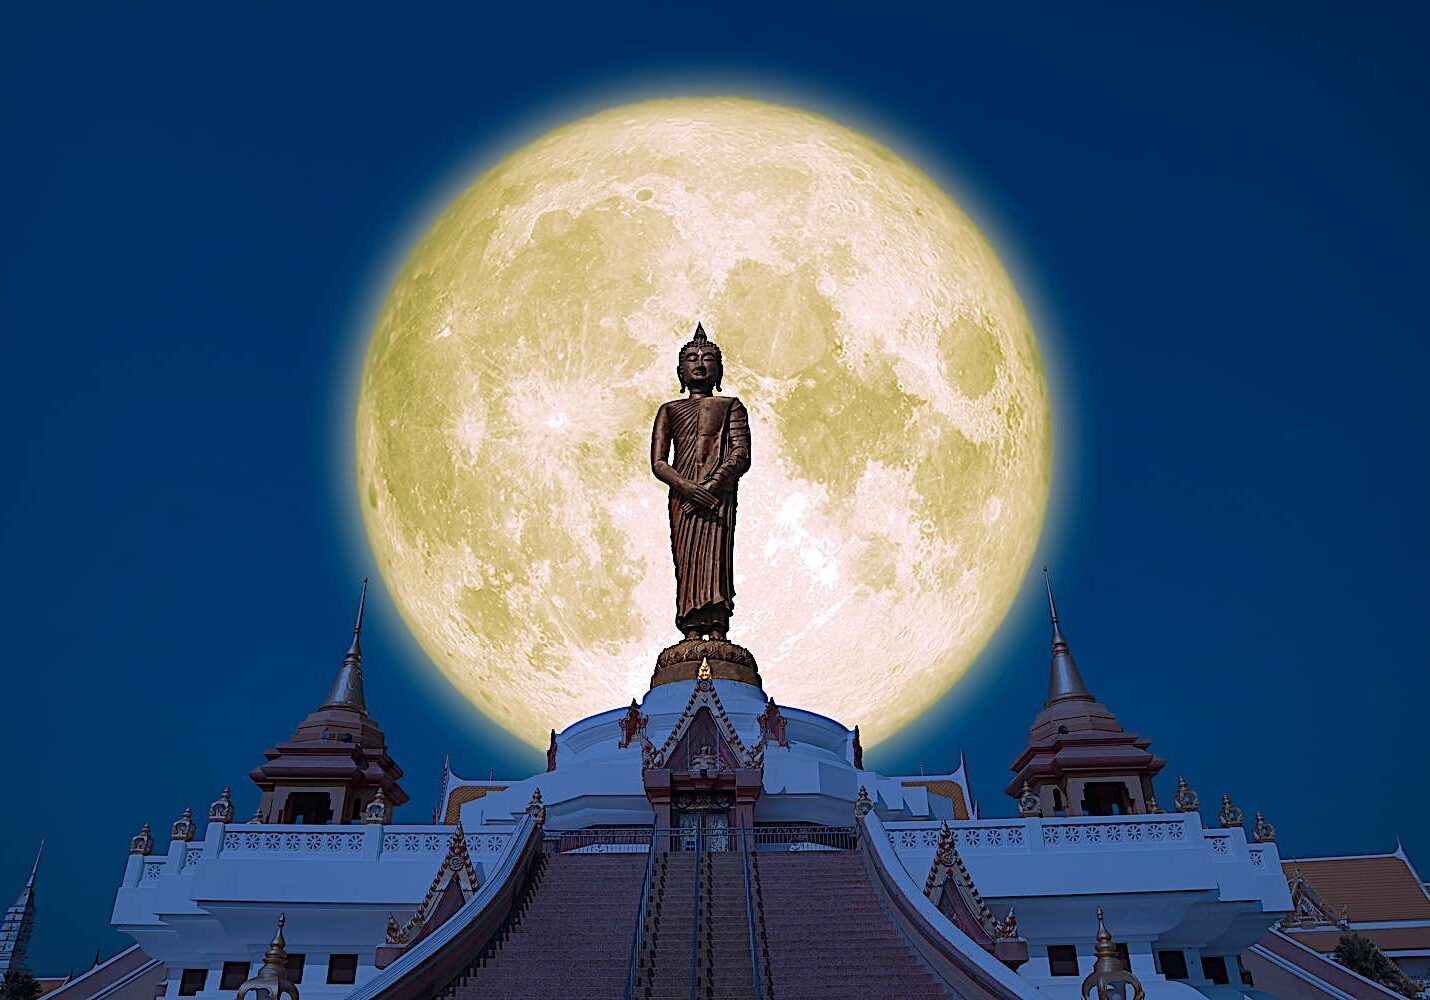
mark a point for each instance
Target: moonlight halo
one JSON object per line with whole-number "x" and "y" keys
{"x": 897, "y": 398}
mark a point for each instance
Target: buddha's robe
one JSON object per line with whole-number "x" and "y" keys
{"x": 710, "y": 437}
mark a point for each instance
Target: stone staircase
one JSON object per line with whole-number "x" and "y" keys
{"x": 827, "y": 934}
{"x": 722, "y": 952}
{"x": 820, "y": 931}
{"x": 569, "y": 937}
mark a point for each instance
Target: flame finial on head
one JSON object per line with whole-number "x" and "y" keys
{"x": 699, "y": 339}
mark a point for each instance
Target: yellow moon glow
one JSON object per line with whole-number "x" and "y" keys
{"x": 897, "y": 401}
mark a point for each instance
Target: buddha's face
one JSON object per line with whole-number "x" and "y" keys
{"x": 700, "y": 367}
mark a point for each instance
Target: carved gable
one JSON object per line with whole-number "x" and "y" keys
{"x": 703, "y": 724}
{"x": 454, "y": 884}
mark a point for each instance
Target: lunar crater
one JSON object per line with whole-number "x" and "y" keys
{"x": 899, "y": 412}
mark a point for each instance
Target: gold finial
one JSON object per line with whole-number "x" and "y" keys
{"x": 1109, "y": 977}
{"x": 1230, "y": 815}
{"x": 1263, "y": 832}
{"x": 272, "y": 981}
{"x": 1152, "y": 807}
{"x": 863, "y": 804}
{"x": 378, "y": 811}
{"x": 222, "y": 809}
{"x": 142, "y": 843}
{"x": 536, "y": 809}
{"x": 184, "y": 827}
{"x": 704, "y": 674}
{"x": 1029, "y": 805}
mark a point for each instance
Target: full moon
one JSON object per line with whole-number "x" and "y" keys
{"x": 897, "y": 399}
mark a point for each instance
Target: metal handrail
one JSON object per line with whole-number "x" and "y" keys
{"x": 695, "y": 914}
{"x": 640, "y": 919}
{"x": 635, "y": 840}
{"x": 750, "y": 915}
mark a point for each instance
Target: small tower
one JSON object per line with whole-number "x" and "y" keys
{"x": 332, "y": 768}
{"x": 1079, "y": 761}
{"x": 19, "y": 924}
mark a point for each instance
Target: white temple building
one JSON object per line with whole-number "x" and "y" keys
{"x": 707, "y": 838}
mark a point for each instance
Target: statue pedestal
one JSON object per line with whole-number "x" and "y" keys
{"x": 728, "y": 662}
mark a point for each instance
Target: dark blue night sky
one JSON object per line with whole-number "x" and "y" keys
{"x": 1219, "y": 219}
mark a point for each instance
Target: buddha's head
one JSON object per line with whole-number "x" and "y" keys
{"x": 700, "y": 366}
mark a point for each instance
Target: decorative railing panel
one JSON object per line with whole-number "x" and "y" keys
{"x": 1084, "y": 833}
{"x": 274, "y": 842}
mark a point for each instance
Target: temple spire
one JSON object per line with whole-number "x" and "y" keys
{"x": 347, "y": 686}
{"x": 1064, "y": 681}
{"x": 19, "y": 924}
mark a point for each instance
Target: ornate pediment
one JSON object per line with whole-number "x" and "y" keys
{"x": 1308, "y": 907}
{"x": 454, "y": 884}
{"x": 950, "y": 887}
{"x": 703, "y": 729}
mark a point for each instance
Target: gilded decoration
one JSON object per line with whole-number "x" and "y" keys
{"x": 272, "y": 981}
{"x": 1263, "y": 832}
{"x": 705, "y": 696}
{"x": 1186, "y": 800}
{"x": 143, "y": 842}
{"x": 456, "y": 866}
{"x": 222, "y": 809}
{"x": 1230, "y": 815}
{"x": 463, "y": 794}
{"x": 1109, "y": 977}
{"x": 1029, "y": 805}
{"x": 378, "y": 811}
{"x": 863, "y": 804}
{"x": 184, "y": 827}
{"x": 948, "y": 789}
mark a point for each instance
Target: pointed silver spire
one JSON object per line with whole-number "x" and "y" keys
{"x": 18, "y": 924}
{"x": 1064, "y": 681}
{"x": 347, "y": 686}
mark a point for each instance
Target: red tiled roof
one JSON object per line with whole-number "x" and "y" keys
{"x": 1370, "y": 888}
{"x": 1385, "y": 938}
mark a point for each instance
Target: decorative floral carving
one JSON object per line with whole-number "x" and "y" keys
{"x": 457, "y": 867}
{"x": 704, "y": 696}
